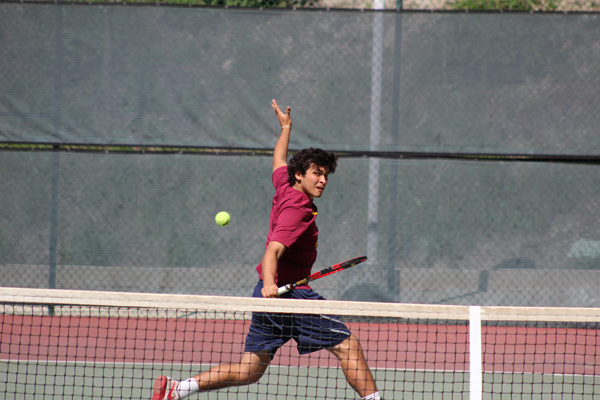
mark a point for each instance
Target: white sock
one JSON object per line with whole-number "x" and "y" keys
{"x": 372, "y": 396}
{"x": 188, "y": 387}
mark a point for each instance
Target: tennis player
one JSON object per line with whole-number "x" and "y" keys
{"x": 290, "y": 253}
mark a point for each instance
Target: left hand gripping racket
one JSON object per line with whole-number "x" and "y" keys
{"x": 324, "y": 272}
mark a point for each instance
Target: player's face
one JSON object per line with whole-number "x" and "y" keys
{"x": 313, "y": 182}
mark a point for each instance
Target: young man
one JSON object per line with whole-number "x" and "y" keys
{"x": 290, "y": 253}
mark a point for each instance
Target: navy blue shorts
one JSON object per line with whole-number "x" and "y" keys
{"x": 270, "y": 331}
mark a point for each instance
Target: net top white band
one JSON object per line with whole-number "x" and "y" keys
{"x": 218, "y": 303}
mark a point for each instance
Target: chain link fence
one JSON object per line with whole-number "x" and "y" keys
{"x": 445, "y": 231}
{"x": 469, "y": 149}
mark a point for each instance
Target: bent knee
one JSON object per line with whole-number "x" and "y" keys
{"x": 252, "y": 369}
{"x": 254, "y": 377}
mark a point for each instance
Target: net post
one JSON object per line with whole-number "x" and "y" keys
{"x": 475, "y": 366}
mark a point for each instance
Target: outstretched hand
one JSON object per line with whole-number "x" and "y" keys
{"x": 284, "y": 118}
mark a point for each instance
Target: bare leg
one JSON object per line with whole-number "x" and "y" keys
{"x": 354, "y": 365}
{"x": 249, "y": 370}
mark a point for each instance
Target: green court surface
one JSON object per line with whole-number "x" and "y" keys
{"x": 65, "y": 380}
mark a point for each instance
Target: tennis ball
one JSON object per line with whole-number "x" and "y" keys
{"x": 222, "y": 218}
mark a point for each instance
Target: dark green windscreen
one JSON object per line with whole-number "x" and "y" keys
{"x": 417, "y": 81}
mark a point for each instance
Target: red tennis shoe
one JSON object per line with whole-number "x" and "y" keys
{"x": 165, "y": 388}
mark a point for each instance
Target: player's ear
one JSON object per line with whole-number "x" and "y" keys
{"x": 299, "y": 176}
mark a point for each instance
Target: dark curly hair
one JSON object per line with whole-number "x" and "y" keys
{"x": 302, "y": 160}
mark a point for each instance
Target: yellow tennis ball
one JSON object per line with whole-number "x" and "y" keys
{"x": 222, "y": 218}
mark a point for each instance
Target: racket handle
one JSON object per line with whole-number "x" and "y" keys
{"x": 284, "y": 289}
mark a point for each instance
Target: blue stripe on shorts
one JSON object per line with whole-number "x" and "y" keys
{"x": 270, "y": 331}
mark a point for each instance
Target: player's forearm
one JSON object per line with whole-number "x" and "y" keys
{"x": 270, "y": 259}
{"x": 269, "y": 268}
{"x": 281, "y": 148}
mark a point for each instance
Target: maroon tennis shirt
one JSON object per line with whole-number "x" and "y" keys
{"x": 292, "y": 224}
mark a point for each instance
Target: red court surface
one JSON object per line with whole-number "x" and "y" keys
{"x": 386, "y": 345}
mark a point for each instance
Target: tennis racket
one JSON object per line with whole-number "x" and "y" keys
{"x": 324, "y": 272}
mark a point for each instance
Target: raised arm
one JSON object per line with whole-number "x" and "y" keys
{"x": 281, "y": 148}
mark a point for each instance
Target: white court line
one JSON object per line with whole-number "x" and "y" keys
{"x": 476, "y": 373}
